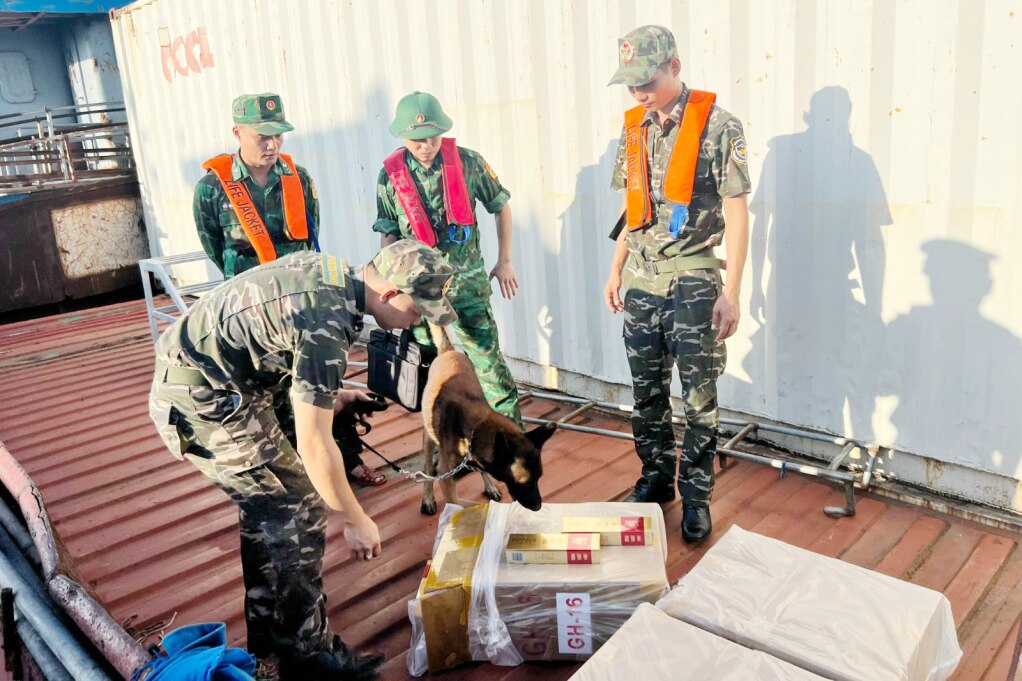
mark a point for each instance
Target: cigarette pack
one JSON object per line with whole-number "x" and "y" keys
{"x": 615, "y": 531}
{"x": 576, "y": 548}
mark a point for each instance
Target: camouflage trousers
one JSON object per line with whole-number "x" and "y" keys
{"x": 237, "y": 443}
{"x": 668, "y": 321}
{"x": 477, "y": 332}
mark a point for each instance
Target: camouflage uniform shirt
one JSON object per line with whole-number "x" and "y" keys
{"x": 721, "y": 172}
{"x": 220, "y": 230}
{"x": 286, "y": 324}
{"x": 471, "y": 281}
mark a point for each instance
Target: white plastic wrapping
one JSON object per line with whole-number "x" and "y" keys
{"x": 416, "y": 660}
{"x": 836, "y": 619}
{"x": 520, "y": 612}
{"x": 543, "y": 611}
{"x": 653, "y": 646}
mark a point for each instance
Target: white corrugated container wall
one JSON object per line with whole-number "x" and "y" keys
{"x": 878, "y": 300}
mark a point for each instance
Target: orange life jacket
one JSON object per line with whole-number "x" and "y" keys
{"x": 296, "y": 226}
{"x": 457, "y": 202}
{"x": 681, "y": 169}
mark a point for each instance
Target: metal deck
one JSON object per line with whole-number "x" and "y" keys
{"x": 158, "y": 543}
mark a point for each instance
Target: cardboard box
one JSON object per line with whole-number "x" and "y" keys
{"x": 615, "y": 531}
{"x": 539, "y": 611}
{"x": 833, "y": 618}
{"x": 653, "y": 646}
{"x": 441, "y": 604}
{"x": 575, "y": 548}
{"x": 565, "y": 612}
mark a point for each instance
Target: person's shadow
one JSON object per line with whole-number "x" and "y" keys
{"x": 818, "y": 210}
{"x": 958, "y": 389}
{"x": 585, "y": 224}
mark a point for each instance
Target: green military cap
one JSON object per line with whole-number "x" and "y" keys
{"x": 421, "y": 272}
{"x": 640, "y": 54}
{"x": 419, "y": 116}
{"x": 265, "y": 113}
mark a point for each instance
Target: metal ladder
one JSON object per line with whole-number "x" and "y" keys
{"x": 181, "y": 297}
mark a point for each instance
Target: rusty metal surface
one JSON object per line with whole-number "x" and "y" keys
{"x": 70, "y": 243}
{"x": 158, "y": 544}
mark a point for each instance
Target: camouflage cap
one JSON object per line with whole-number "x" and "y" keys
{"x": 421, "y": 272}
{"x": 419, "y": 116}
{"x": 641, "y": 52}
{"x": 264, "y": 113}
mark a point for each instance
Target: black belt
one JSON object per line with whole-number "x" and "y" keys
{"x": 679, "y": 263}
{"x": 180, "y": 375}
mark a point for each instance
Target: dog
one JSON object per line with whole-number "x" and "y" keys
{"x": 457, "y": 419}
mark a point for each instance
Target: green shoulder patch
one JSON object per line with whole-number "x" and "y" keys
{"x": 333, "y": 271}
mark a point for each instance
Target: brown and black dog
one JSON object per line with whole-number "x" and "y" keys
{"x": 457, "y": 418}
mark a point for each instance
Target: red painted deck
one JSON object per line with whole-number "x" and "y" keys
{"x": 156, "y": 541}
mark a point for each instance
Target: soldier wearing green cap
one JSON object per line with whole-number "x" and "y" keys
{"x": 257, "y": 205}
{"x": 427, "y": 191}
{"x": 285, "y": 328}
{"x": 267, "y": 184}
{"x": 681, "y": 162}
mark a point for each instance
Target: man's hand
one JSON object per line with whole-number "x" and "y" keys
{"x": 346, "y": 398}
{"x": 612, "y": 293}
{"x": 362, "y": 536}
{"x": 504, "y": 273}
{"x": 725, "y": 315}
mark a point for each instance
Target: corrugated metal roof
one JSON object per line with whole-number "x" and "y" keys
{"x": 156, "y": 542}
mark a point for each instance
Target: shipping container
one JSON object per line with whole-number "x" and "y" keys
{"x": 879, "y": 299}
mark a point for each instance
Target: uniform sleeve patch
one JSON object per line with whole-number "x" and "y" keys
{"x": 489, "y": 171}
{"x": 333, "y": 271}
{"x": 312, "y": 190}
{"x": 738, "y": 150}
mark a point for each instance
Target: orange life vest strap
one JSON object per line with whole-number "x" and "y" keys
{"x": 638, "y": 206}
{"x": 681, "y": 169}
{"x": 296, "y": 224}
{"x": 681, "y": 172}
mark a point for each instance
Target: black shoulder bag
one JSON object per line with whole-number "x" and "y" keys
{"x": 398, "y": 367}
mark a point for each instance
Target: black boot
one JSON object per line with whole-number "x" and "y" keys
{"x": 652, "y": 488}
{"x": 695, "y": 523}
{"x": 336, "y": 664}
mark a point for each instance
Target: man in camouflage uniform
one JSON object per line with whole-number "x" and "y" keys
{"x": 286, "y": 327}
{"x": 676, "y": 309}
{"x": 420, "y": 121}
{"x": 259, "y": 127}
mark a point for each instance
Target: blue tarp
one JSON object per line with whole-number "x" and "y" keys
{"x": 62, "y": 6}
{"x": 199, "y": 652}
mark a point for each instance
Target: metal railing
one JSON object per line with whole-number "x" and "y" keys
{"x": 63, "y": 146}
{"x": 837, "y": 471}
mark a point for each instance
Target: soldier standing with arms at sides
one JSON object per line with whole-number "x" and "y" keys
{"x": 681, "y": 162}
{"x": 427, "y": 190}
{"x": 258, "y": 205}
{"x": 286, "y": 328}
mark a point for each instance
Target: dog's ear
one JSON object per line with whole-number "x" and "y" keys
{"x": 539, "y": 436}
{"x": 501, "y": 445}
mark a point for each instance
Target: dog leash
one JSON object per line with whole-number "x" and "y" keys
{"x": 418, "y": 476}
